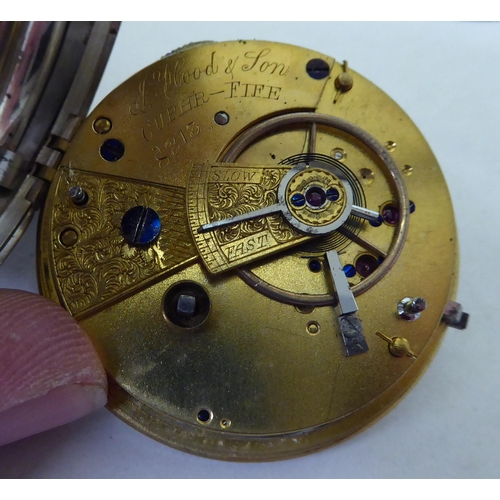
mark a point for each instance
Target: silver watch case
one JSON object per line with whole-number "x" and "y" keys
{"x": 49, "y": 72}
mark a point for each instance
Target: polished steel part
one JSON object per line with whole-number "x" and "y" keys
{"x": 346, "y": 303}
{"x": 238, "y": 342}
{"x": 186, "y": 305}
{"x": 350, "y": 325}
{"x": 49, "y": 72}
{"x": 365, "y": 213}
{"x": 260, "y": 212}
{"x": 328, "y": 224}
{"x": 78, "y": 195}
{"x": 373, "y": 148}
{"x": 352, "y": 334}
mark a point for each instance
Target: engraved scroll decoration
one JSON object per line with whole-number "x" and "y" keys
{"x": 222, "y": 191}
{"x": 101, "y": 266}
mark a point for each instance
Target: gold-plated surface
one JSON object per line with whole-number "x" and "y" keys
{"x": 328, "y": 212}
{"x": 223, "y": 190}
{"x": 264, "y": 376}
{"x": 102, "y": 125}
{"x": 398, "y": 346}
{"x": 103, "y": 267}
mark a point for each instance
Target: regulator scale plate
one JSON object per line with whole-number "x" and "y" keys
{"x": 260, "y": 244}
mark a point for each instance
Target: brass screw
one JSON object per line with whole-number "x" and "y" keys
{"x": 68, "y": 237}
{"x": 367, "y": 176}
{"x": 390, "y": 146}
{"x": 407, "y": 169}
{"x": 225, "y": 423}
{"x": 338, "y": 153}
{"x": 313, "y": 328}
{"x": 101, "y": 125}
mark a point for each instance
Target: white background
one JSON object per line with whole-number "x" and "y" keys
{"x": 447, "y": 78}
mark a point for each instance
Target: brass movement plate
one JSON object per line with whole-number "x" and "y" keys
{"x": 225, "y": 341}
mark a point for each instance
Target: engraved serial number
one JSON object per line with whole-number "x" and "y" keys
{"x": 175, "y": 143}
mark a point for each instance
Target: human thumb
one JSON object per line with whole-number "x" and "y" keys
{"x": 50, "y": 373}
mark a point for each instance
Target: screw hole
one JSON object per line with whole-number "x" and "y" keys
{"x": 68, "y": 237}
{"x": 338, "y": 154}
{"x": 304, "y": 309}
{"x": 390, "y": 146}
{"x": 221, "y": 118}
{"x": 186, "y": 304}
{"x": 204, "y": 416}
{"x": 313, "y": 328}
{"x": 366, "y": 264}
{"x": 225, "y": 423}
{"x": 390, "y": 214}
{"x": 315, "y": 265}
{"x": 367, "y": 175}
{"x": 102, "y": 125}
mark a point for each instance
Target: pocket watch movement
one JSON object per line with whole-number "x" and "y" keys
{"x": 260, "y": 244}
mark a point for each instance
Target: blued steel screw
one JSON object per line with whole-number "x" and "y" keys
{"x": 317, "y": 69}
{"x": 140, "y": 226}
{"x": 112, "y": 150}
